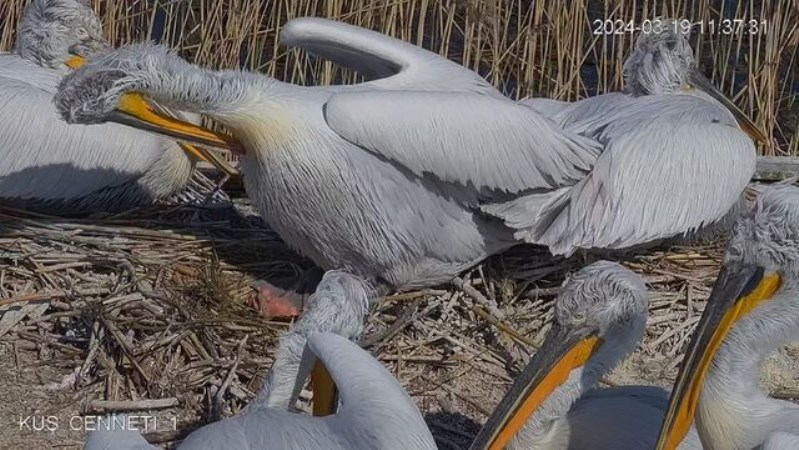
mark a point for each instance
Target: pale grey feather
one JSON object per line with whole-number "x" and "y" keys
{"x": 659, "y": 150}
{"x": 116, "y": 431}
{"x": 498, "y": 144}
{"x": 387, "y": 62}
{"x": 781, "y": 441}
{"x": 56, "y": 166}
{"x": 578, "y": 116}
{"x": 51, "y": 30}
{"x": 547, "y": 107}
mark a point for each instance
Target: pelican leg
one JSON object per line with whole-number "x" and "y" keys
{"x": 279, "y": 304}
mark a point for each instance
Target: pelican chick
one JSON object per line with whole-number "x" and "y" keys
{"x": 396, "y": 202}
{"x": 599, "y": 320}
{"x": 375, "y": 410}
{"x": 50, "y": 165}
{"x": 752, "y": 311}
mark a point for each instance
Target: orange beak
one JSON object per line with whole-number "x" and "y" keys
{"x": 563, "y": 351}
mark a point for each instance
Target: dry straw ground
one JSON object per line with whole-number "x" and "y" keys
{"x": 145, "y": 310}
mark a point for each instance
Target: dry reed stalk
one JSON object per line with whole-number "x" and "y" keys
{"x": 540, "y": 48}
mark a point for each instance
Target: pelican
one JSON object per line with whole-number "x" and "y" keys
{"x": 674, "y": 159}
{"x": 394, "y": 216}
{"x": 49, "y": 165}
{"x": 752, "y": 311}
{"x": 399, "y": 184}
{"x": 780, "y": 441}
{"x": 375, "y": 411}
{"x": 600, "y": 318}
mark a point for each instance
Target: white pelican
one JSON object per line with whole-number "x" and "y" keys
{"x": 407, "y": 224}
{"x": 375, "y": 411}
{"x": 599, "y": 320}
{"x": 781, "y": 441}
{"x": 752, "y": 311}
{"x": 395, "y": 184}
{"x": 47, "y": 164}
{"x": 673, "y": 159}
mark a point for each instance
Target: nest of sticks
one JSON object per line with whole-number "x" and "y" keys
{"x": 147, "y": 311}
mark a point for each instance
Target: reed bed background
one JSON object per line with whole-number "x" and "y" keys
{"x": 527, "y": 48}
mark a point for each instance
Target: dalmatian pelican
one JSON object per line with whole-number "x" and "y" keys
{"x": 780, "y": 441}
{"x": 409, "y": 186}
{"x": 374, "y": 410}
{"x": 752, "y": 311}
{"x": 49, "y": 165}
{"x": 599, "y": 320}
{"x": 674, "y": 158}
{"x": 334, "y": 201}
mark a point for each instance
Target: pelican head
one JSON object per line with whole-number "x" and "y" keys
{"x": 663, "y": 62}
{"x": 107, "y": 89}
{"x": 52, "y": 32}
{"x": 759, "y": 276}
{"x": 599, "y": 319}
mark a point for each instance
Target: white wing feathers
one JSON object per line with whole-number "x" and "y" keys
{"x": 43, "y": 157}
{"x": 659, "y": 152}
{"x": 580, "y": 115}
{"x": 463, "y": 138}
{"x": 390, "y": 62}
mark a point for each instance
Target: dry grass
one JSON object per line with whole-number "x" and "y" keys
{"x": 541, "y": 48}
{"x": 147, "y": 311}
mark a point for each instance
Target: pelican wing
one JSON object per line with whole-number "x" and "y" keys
{"x": 463, "y": 138}
{"x": 781, "y": 441}
{"x": 44, "y": 157}
{"x": 13, "y": 67}
{"x": 115, "y": 432}
{"x": 376, "y": 411}
{"x": 547, "y": 107}
{"x": 390, "y": 62}
{"x": 671, "y": 164}
{"x": 579, "y": 116}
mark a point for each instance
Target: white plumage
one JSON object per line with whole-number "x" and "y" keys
{"x": 673, "y": 158}
{"x": 49, "y": 164}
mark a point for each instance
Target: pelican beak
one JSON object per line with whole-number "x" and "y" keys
{"x": 75, "y": 62}
{"x": 564, "y": 350}
{"x": 699, "y": 81}
{"x": 325, "y": 394}
{"x": 137, "y": 112}
{"x": 737, "y": 291}
{"x": 211, "y": 158}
